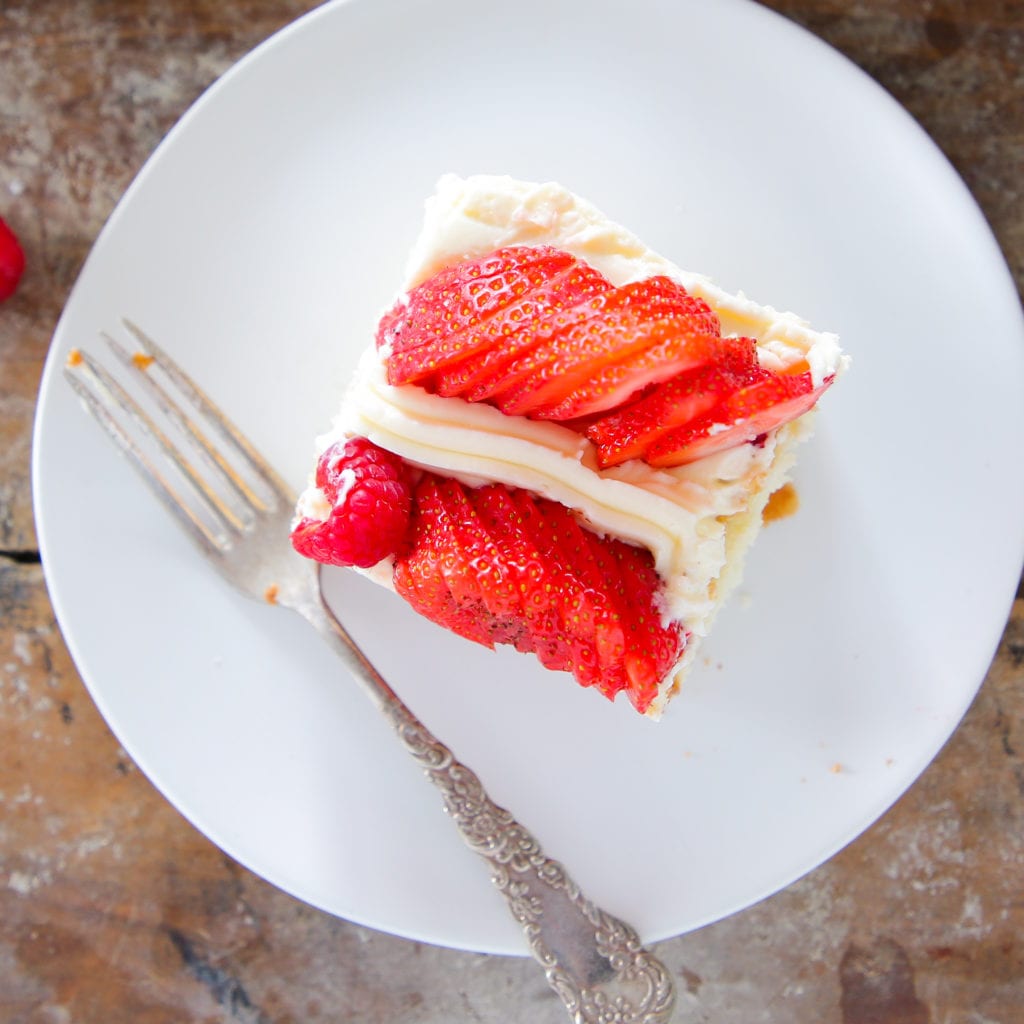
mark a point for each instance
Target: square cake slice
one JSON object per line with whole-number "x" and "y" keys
{"x": 560, "y": 440}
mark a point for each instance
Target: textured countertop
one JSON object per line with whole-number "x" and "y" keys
{"x": 113, "y": 909}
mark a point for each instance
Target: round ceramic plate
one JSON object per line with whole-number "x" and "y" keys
{"x": 260, "y": 243}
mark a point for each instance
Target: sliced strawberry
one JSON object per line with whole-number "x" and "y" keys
{"x": 511, "y": 365}
{"x": 469, "y": 308}
{"x": 564, "y": 299}
{"x": 587, "y": 618}
{"x": 485, "y": 572}
{"x": 499, "y": 565}
{"x": 643, "y": 648}
{"x": 425, "y": 588}
{"x": 627, "y": 433}
{"x": 446, "y": 583}
{"x": 685, "y": 337}
{"x": 750, "y": 411}
{"x": 590, "y": 555}
{"x": 460, "y": 294}
{"x": 535, "y": 331}
{"x": 640, "y": 333}
{"x": 531, "y": 572}
{"x": 641, "y": 369}
{"x": 650, "y": 645}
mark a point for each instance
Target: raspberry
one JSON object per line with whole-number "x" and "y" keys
{"x": 368, "y": 489}
{"x": 12, "y": 261}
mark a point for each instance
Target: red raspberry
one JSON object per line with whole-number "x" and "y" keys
{"x": 12, "y": 261}
{"x": 368, "y": 489}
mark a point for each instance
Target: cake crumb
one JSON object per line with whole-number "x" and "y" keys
{"x": 74, "y": 357}
{"x": 270, "y": 594}
{"x": 836, "y": 769}
{"x": 143, "y": 360}
{"x": 783, "y": 503}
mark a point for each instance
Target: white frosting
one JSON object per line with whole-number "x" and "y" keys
{"x": 676, "y": 513}
{"x": 697, "y": 520}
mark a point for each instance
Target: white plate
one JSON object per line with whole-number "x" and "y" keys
{"x": 259, "y": 244}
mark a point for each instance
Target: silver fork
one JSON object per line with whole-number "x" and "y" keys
{"x": 238, "y": 511}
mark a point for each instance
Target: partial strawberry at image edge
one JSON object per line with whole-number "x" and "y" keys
{"x": 12, "y": 261}
{"x": 642, "y": 371}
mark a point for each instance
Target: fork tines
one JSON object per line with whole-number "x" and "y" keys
{"x": 198, "y": 463}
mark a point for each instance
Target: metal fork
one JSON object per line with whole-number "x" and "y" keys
{"x": 238, "y": 511}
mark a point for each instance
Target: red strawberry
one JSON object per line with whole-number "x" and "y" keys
{"x": 628, "y": 432}
{"x": 12, "y": 261}
{"x": 447, "y": 581}
{"x": 467, "y": 309}
{"x": 482, "y": 582}
{"x": 649, "y": 645}
{"x": 584, "y": 604}
{"x": 537, "y": 332}
{"x": 639, "y": 334}
{"x": 752, "y": 410}
{"x": 503, "y": 565}
{"x": 368, "y": 490}
{"x": 565, "y": 299}
{"x": 529, "y": 570}
{"x": 641, "y": 369}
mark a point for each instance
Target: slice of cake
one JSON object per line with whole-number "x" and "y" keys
{"x": 561, "y": 441}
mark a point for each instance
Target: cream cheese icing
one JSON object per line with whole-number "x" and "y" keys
{"x": 697, "y": 520}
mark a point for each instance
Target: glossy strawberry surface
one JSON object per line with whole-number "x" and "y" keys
{"x": 642, "y": 368}
{"x": 758, "y": 405}
{"x": 538, "y": 332}
{"x": 500, "y": 565}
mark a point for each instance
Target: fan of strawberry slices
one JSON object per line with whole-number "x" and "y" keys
{"x": 642, "y": 370}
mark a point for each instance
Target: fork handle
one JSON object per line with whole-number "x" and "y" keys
{"x": 595, "y": 962}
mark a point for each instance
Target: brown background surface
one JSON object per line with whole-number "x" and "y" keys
{"x": 113, "y": 909}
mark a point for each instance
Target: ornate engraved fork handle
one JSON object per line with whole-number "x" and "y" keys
{"x": 595, "y": 962}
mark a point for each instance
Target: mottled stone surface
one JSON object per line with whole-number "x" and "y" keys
{"x": 114, "y": 910}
